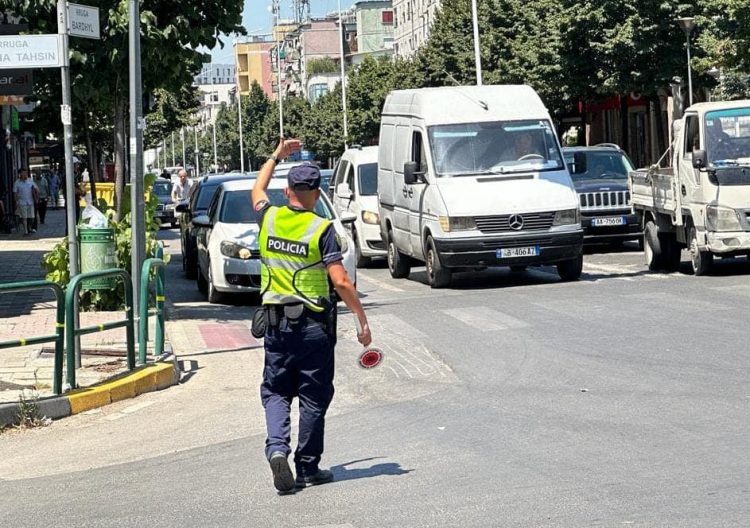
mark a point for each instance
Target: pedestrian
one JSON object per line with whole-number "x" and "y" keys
{"x": 165, "y": 174}
{"x": 181, "y": 187}
{"x": 299, "y": 255}
{"x": 26, "y": 196}
{"x": 43, "y": 189}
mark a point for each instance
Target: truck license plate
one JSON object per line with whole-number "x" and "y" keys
{"x": 608, "y": 221}
{"x": 518, "y": 252}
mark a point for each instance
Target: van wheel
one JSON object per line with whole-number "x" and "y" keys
{"x": 437, "y": 275}
{"x": 702, "y": 261}
{"x": 672, "y": 252}
{"x": 652, "y": 249}
{"x": 570, "y": 270}
{"x": 361, "y": 260}
{"x": 397, "y": 263}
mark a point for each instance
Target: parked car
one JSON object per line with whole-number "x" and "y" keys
{"x": 197, "y": 203}
{"x": 355, "y": 189}
{"x": 227, "y": 238}
{"x": 475, "y": 183}
{"x": 600, "y": 176}
{"x": 165, "y": 209}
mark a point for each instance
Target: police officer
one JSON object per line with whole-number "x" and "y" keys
{"x": 300, "y": 259}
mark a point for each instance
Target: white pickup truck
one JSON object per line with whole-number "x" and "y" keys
{"x": 701, "y": 202}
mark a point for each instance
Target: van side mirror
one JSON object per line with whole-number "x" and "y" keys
{"x": 410, "y": 172}
{"x": 343, "y": 191}
{"x": 699, "y": 159}
{"x": 579, "y": 163}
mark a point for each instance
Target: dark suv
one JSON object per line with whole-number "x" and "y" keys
{"x": 197, "y": 204}
{"x": 600, "y": 176}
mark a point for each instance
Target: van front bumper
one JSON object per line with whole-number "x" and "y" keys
{"x": 483, "y": 251}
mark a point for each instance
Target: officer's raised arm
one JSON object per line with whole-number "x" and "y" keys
{"x": 286, "y": 147}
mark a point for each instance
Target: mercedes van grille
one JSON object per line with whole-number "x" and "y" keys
{"x": 598, "y": 201}
{"x": 502, "y": 223}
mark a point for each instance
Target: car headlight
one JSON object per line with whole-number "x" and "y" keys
{"x": 722, "y": 219}
{"x": 369, "y": 217}
{"x": 457, "y": 223}
{"x": 230, "y": 249}
{"x": 567, "y": 217}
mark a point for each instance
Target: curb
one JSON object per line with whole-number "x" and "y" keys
{"x": 148, "y": 378}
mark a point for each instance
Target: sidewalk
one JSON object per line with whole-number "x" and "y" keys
{"x": 30, "y": 314}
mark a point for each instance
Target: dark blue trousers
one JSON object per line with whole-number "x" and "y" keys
{"x": 298, "y": 363}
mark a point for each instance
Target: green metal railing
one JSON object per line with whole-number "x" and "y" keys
{"x": 70, "y": 328}
{"x": 143, "y": 311}
{"x": 58, "y": 338}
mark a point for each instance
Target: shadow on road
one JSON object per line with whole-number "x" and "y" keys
{"x": 341, "y": 473}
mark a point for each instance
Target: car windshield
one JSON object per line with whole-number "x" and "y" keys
{"x": 162, "y": 188}
{"x": 236, "y": 207}
{"x": 728, "y": 137}
{"x": 601, "y": 165}
{"x": 494, "y": 148}
{"x": 368, "y": 179}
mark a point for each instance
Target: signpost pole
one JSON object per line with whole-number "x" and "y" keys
{"x": 70, "y": 178}
{"x": 137, "y": 208}
{"x": 197, "y": 160}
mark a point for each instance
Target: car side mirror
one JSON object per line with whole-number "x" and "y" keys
{"x": 348, "y": 218}
{"x": 344, "y": 192}
{"x": 411, "y": 174}
{"x": 182, "y": 207}
{"x": 579, "y": 163}
{"x": 202, "y": 221}
{"x": 699, "y": 159}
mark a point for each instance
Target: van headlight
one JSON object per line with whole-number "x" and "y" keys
{"x": 567, "y": 217}
{"x": 722, "y": 219}
{"x": 369, "y": 217}
{"x": 457, "y": 223}
{"x": 230, "y": 249}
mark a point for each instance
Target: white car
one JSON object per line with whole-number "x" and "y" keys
{"x": 354, "y": 189}
{"x": 227, "y": 238}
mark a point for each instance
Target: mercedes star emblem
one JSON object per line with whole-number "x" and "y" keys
{"x": 515, "y": 222}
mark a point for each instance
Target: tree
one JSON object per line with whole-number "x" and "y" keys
{"x": 296, "y": 111}
{"x": 255, "y": 107}
{"x": 323, "y": 129}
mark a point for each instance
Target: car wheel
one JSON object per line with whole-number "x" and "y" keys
{"x": 202, "y": 283}
{"x": 362, "y": 261}
{"x": 570, "y": 270}
{"x": 190, "y": 267}
{"x": 397, "y": 264}
{"x": 701, "y": 261}
{"x": 652, "y": 249}
{"x": 214, "y": 296}
{"x": 437, "y": 275}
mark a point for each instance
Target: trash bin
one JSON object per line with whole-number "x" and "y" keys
{"x": 97, "y": 253}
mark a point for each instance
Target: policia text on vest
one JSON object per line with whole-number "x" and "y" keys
{"x": 288, "y": 247}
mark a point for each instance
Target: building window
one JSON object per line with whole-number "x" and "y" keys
{"x": 388, "y": 18}
{"x": 316, "y": 91}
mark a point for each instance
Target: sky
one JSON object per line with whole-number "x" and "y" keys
{"x": 258, "y": 20}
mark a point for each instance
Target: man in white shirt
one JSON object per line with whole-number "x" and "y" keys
{"x": 26, "y": 196}
{"x": 181, "y": 188}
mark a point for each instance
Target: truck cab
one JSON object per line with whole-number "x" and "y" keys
{"x": 701, "y": 202}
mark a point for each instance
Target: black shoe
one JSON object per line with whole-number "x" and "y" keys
{"x": 323, "y": 476}
{"x": 283, "y": 480}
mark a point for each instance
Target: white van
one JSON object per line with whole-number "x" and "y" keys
{"x": 354, "y": 188}
{"x": 471, "y": 177}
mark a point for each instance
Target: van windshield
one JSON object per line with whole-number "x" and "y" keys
{"x": 728, "y": 137}
{"x": 499, "y": 147}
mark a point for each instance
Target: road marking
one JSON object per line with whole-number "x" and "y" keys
{"x": 137, "y": 407}
{"x": 380, "y": 284}
{"x": 604, "y": 268}
{"x": 485, "y": 319}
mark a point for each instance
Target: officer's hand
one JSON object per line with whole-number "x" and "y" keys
{"x": 287, "y": 147}
{"x": 365, "y": 338}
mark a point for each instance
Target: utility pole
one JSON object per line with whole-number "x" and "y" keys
{"x": 278, "y": 65}
{"x": 477, "y": 57}
{"x": 173, "y": 161}
{"x": 70, "y": 177}
{"x": 137, "y": 203}
{"x": 197, "y": 156}
{"x": 343, "y": 75}
{"x": 239, "y": 119}
{"x": 216, "y": 158}
{"x": 184, "y": 157}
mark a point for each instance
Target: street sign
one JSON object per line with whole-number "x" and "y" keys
{"x": 11, "y": 99}
{"x": 15, "y": 82}
{"x": 30, "y": 51}
{"x": 83, "y": 21}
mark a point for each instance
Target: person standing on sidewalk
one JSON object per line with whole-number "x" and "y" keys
{"x": 26, "y": 196}
{"x": 54, "y": 187}
{"x": 181, "y": 188}
{"x": 43, "y": 189}
{"x": 299, "y": 255}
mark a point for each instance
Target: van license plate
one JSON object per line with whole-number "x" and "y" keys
{"x": 608, "y": 221}
{"x": 518, "y": 252}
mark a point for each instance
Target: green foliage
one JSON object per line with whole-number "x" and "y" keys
{"x": 322, "y": 65}
{"x": 56, "y": 262}
{"x": 323, "y": 128}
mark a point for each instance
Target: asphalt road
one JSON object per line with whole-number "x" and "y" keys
{"x": 510, "y": 399}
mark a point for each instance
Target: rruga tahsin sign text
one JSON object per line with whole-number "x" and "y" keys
{"x": 30, "y": 51}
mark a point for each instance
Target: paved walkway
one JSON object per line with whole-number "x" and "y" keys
{"x": 30, "y": 314}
